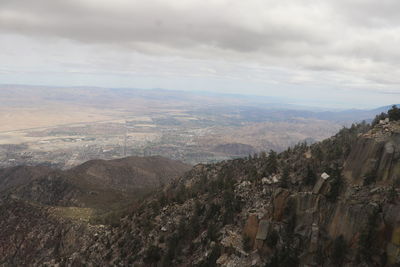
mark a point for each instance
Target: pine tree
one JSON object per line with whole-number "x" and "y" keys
{"x": 285, "y": 178}
{"x": 394, "y": 113}
{"x": 272, "y": 162}
{"x": 335, "y": 183}
{"x": 310, "y": 177}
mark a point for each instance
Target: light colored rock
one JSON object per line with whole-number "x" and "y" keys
{"x": 223, "y": 259}
{"x": 318, "y": 186}
{"x": 325, "y": 176}
{"x": 262, "y": 230}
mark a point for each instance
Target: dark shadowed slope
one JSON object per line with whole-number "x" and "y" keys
{"x": 98, "y": 184}
{"x": 129, "y": 173}
{"x": 15, "y": 176}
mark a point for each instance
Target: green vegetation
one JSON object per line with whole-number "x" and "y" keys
{"x": 337, "y": 148}
{"x": 272, "y": 162}
{"x": 310, "y": 177}
{"x": 394, "y": 113}
{"x": 379, "y": 117}
{"x": 285, "y": 179}
{"x": 335, "y": 184}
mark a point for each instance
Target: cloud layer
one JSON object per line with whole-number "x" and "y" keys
{"x": 331, "y": 44}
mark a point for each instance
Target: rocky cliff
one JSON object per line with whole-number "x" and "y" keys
{"x": 375, "y": 153}
{"x": 333, "y": 203}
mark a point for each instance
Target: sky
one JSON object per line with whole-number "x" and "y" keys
{"x": 334, "y": 53}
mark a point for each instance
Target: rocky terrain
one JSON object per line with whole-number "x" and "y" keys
{"x": 332, "y": 203}
{"x": 91, "y": 191}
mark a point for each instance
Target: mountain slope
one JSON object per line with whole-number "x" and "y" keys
{"x": 129, "y": 173}
{"x": 15, "y": 176}
{"x": 100, "y": 185}
{"x": 277, "y": 211}
{"x": 313, "y": 205}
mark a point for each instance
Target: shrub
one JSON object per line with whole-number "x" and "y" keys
{"x": 394, "y": 113}
{"x": 310, "y": 177}
{"x": 284, "y": 183}
{"x": 272, "y": 162}
{"x": 379, "y": 117}
{"x": 335, "y": 183}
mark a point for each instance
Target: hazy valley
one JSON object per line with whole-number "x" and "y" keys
{"x": 64, "y": 127}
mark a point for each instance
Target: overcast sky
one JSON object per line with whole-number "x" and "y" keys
{"x": 338, "y": 53}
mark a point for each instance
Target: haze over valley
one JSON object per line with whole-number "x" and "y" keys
{"x": 63, "y": 127}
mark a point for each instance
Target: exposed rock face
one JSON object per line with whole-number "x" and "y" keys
{"x": 228, "y": 214}
{"x": 377, "y": 151}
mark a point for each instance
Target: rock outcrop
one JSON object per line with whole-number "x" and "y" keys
{"x": 375, "y": 153}
{"x": 334, "y": 203}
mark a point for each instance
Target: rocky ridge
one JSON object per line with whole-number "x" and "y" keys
{"x": 333, "y": 203}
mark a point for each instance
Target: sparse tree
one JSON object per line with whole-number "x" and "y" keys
{"x": 310, "y": 177}
{"x": 335, "y": 184}
{"x": 272, "y": 162}
{"x": 284, "y": 182}
{"x": 394, "y": 113}
{"x": 378, "y": 118}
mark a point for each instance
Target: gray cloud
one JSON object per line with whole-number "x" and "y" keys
{"x": 202, "y": 23}
{"x": 339, "y": 42}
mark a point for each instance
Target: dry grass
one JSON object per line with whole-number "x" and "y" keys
{"x": 74, "y": 213}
